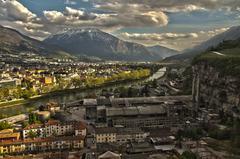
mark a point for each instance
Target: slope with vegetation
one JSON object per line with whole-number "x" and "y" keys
{"x": 13, "y": 42}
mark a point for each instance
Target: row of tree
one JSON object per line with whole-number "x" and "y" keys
{"x": 92, "y": 81}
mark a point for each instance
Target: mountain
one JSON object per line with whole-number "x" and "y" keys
{"x": 95, "y": 43}
{"x": 164, "y": 52}
{"x": 232, "y": 34}
{"x": 13, "y": 42}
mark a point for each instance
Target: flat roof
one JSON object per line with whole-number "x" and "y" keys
{"x": 89, "y": 102}
{"x": 136, "y": 110}
{"x": 150, "y": 99}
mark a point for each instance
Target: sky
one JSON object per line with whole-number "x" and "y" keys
{"x": 177, "y": 24}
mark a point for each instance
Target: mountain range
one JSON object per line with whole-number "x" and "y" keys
{"x": 96, "y": 43}
{"x": 187, "y": 55}
{"x": 82, "y": 43}
{"x": 164, "y": 52}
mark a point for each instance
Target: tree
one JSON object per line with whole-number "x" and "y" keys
{"x": 32, "y": 118}
{"x": 25, "y": 124}
{"x": 76, "y": 82}
{"x": 4, "y": 93}
{"x": 5, "y": 125}
{"x": 32, "y": 134}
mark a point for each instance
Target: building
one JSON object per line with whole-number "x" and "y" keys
{"x": 42, "y": 145}
{"x": 80, "y": 129}
{"x": 110, "y": 155}
{"x": 9, "y": 135}
{"x": 47, "y": 80}
{"x": 106, "y": 135}
{"x": 36, "y": 129}
{"x": 143, "y": 116}
{"x": 120, "y": 135}
{"x": 43, "y": 115}
{"x": 10, "y": 83}
{"x": 15, "y": 119}
{"x": 55, "y": 128}
{"x": 131, "y": 135}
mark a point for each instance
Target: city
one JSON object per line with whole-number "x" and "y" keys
{"x": 119, "y": 79}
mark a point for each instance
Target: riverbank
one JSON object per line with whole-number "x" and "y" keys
{"x": 68, "y": 95}
{"x": 65, "y": 91}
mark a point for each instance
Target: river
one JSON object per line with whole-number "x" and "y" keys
{"x": 71, "y": 95}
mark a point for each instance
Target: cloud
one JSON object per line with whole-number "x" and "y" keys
{"x": 80, "y": 18}
{"x": 69, "y": 16}
{"x": 13, "y": 14}
{"x": 158, "y": 37}
{"x": 175, "y": 5}
{"x": 214, "y": 32}
{"x": 178, "y": 41}
{"x": 54, "y": 16}
{"x": 13, "y": 10}
{"x": 184, "y": 8}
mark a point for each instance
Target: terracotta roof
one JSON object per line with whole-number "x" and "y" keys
{"x": 52, "y": 122}
{"x": 80, "y": 126}
{"x": 33, "y": 126}
{"x": 39, "y": 140}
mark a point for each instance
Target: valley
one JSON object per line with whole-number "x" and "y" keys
{"x": 119, "y": 79}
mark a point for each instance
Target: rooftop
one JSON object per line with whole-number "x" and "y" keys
{"x": 9, "y": 136}
{"x": 89, "y": 102}
{"x": 118, "y": 130}
{"x": 137, "y": 110}
{"x": 109, "y": 155}
{"x": 39, "y": 140}
{"x": 33, "y": 126}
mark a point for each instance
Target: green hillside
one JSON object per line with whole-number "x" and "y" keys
{"x": 225, "y": 58}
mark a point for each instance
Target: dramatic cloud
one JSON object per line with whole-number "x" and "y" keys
{"x": 158, "y": 37}
{"x": 13, "y": 14}
{"x": 69, "y": 16}
{"x": 13, "y": 10}
{"x": 54, "y": 16}
{"x": 177, "y": 5}
{"x": 177, "y": 41}
{"x": 81, "y": 18}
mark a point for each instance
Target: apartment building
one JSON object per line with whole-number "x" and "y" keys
{"x": 42, "y": 145}
{"x": 130, "y": 135}
{"x": 37, "y": 129}
{"x": 106, "y": 135}
{"x": 9, "y": 134}
{"x": 55, "y": 128}
{"x": 120, "y": 135}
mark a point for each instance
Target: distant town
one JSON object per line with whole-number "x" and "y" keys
{"x": 24, "y": 80}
